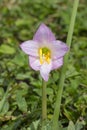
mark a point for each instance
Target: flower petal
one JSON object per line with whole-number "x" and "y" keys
{"x": 44, "y": 34}
{"x": 45, "y": 70}
{"x": 59, "y": 49}
{"x": 30, "y": 47}
{"x": 57, "y": 63}
{"x": 34, "y": 63}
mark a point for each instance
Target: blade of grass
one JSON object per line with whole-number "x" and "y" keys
{"x": 63, "y": 71}
{"x": 4, "y": 99}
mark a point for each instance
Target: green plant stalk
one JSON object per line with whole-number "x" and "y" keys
{"x": 44, "y": 103}
{"x": 63, "y": 71}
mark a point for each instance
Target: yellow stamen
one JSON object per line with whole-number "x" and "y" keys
{"x": 45, "y": 55}
{"x": 40, "y": 53}
{"x": 47, "y": 58}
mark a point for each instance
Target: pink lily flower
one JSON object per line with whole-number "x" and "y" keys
{"x": 45, "y": 52}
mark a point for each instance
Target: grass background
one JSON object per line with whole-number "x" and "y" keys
{"x": 19, "y": 21}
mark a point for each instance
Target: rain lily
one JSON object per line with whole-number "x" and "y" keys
{"x": 45, "y": 52}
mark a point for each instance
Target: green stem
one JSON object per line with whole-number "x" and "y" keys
{"x": 44, "y": 103}
{"x": 63, "y": 71}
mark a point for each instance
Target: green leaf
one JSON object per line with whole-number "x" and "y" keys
{"x": 5, "y": 108}
{"x": 6, "y": 49}
{"x": 20, "y": 59}
{"x": 1, "y": 92}
{"x": 49, "y": 91}
{"x": 79, "y": 125}
{"x": 22, "y": 76}
{"x": 34, "y": 125}
{"x": 21, "y": 102}
{"x": 7, "y": 128}
{"x": 71, "y": 126}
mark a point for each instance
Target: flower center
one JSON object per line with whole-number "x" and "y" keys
{"x": 45, "y": 55}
